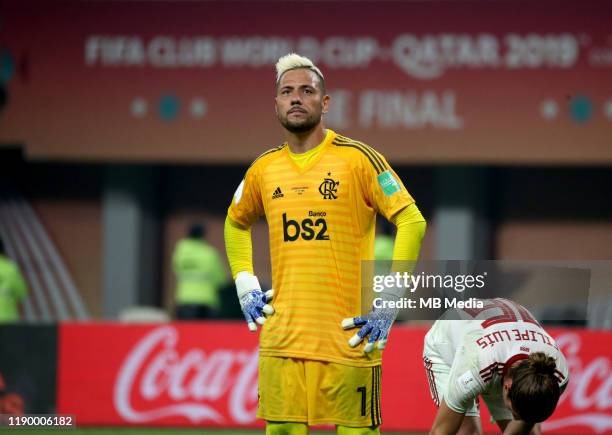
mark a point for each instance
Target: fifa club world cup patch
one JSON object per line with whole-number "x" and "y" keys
{"x": 467, "y": 385}
{"x": 388, "y": 183}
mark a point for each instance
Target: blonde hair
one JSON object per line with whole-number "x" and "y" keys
{"x": 294, "y": 61}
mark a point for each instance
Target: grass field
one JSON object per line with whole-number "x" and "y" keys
{"x": 139, "y": 431}
{"x": 168, "y": 431}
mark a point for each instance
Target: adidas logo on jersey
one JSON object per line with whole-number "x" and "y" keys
{"x": 277, "y": 193}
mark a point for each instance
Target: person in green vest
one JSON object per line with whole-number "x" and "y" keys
{"x": 200, "y": 274}
{"x": 383, "y": 242}
{"x": 12, "y": 288}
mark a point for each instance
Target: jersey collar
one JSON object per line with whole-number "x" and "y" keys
{"x": 512, "y": 360}
{"x": 318, "y": 150}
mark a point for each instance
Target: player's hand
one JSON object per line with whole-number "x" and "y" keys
{"x": 254, "y": 305}
{"x": 375, "y": 326}
{"x": 253, "y": 301}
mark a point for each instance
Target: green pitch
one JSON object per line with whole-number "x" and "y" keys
{"x": 138, "y": 431}
{"x": 172, "y": 431}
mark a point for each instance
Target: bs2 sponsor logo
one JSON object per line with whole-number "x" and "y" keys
{"x": 307, "y": 229}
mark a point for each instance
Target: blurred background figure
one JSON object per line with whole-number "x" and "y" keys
{"x": 383, "y": 243}
{"x": 200, "y": 274}
{"x": 12, "y": 288}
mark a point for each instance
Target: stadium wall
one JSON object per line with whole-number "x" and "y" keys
{"x": 535, "y": 214}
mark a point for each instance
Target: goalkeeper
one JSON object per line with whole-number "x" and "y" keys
{"x": 320, "y": 193}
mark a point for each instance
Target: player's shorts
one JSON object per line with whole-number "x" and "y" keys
{"x": 317, "y": 392}
{"x": 441, "y": 342}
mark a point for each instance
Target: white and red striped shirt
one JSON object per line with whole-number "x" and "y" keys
{"x": 486, "y": 344}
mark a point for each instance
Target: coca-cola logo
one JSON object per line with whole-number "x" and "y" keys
{"x": 155, "y": 381}
{"x": 589, "y": 391}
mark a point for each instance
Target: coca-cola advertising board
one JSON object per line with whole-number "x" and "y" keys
{"x": 205, "y": 375}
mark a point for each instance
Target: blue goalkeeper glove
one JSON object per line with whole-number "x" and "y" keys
{"x": 253, "y": 301}
{"x": 377, "y": 324}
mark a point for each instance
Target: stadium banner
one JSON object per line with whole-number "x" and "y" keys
{"x": 28, "y": 368}
{"x": 205, "y": 375}
{"x": 423, "y": 82}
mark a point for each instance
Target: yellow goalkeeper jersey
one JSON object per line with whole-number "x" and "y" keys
{"x": 321, "y": 220}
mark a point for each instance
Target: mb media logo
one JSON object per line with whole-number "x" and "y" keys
{"x": 329, "y": 188}
{"x": 277, "y": 193}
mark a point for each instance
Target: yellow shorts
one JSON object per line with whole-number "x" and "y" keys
{"x": 317, "y": 392}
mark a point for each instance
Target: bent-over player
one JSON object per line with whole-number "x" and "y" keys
{"x": 500, "y": 353}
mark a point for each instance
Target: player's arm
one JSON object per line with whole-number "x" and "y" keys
{"x": 411, "y": 227}
{"x": 447, "y": 421}
{"x": 384, "y": 191}
{"x": 463, "y": 387}
{"x": 519, "y": 427}
{"x": 238, "y": 247}
{"x": 503, "y": 425}
{"x": 245, "y": 209}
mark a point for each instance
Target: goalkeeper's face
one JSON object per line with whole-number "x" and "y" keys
{"x": 300, "y": 100}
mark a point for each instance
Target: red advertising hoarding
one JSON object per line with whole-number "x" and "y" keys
{"x": 424, "y": 82}
{"x": 205, "y": 375}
